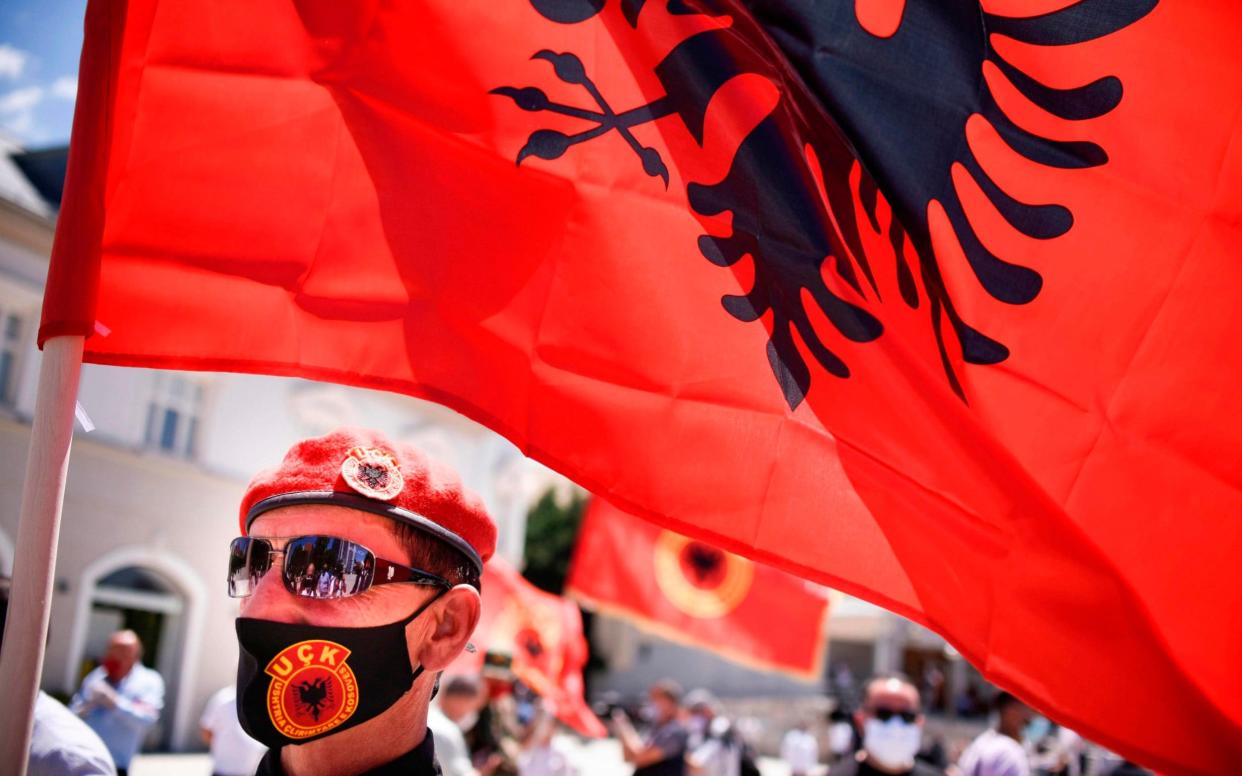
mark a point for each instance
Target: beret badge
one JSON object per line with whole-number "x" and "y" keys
{"x": 373, "y": 472}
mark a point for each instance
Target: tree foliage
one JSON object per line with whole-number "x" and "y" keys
{"x": 551, "y": 531}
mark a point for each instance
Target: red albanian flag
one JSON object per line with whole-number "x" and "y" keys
{"x": 697, "y": 594}
{"x": 543, "y": 635}
{"x": 934, "y": 302}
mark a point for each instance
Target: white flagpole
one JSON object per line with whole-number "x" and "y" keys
{"x": 34, "y": 563}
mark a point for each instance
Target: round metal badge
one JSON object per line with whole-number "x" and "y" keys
{"x": 373, "y": 472}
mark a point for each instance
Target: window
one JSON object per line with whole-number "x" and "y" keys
{"x": 11, "y": 345}
{"x": 173, "y": 414}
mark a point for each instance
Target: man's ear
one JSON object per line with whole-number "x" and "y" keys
{"x": 453, "y": 619}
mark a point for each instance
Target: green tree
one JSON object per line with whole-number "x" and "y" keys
{"x": 551, "y": 531}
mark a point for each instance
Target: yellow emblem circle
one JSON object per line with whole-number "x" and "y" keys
{"x": 724, "y": 583}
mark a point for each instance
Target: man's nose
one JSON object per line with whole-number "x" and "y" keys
{"x": 272, "y": 601}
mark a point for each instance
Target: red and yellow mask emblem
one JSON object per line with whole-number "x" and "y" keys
{"x": 313, "y": 690}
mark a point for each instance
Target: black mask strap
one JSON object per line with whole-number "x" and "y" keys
{"x": 424, "y": 607}
{"x": 419, "y": 671}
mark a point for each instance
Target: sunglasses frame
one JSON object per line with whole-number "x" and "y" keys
{"x": 384, "y": 572}
{"x": 885, "y": 714}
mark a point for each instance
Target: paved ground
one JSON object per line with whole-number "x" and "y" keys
{"x": 597, "y": 758}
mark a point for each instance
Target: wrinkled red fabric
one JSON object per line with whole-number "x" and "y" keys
{"x": 329, "y": 190}
{"x": 542, "y": 635}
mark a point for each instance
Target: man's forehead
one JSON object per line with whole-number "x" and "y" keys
{"x": 372, "y": 531}
{"x": 892, "y": 693}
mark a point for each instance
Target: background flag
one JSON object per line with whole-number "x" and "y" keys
{"x": 931, "y": 302}
{"x": 542, "y": 633}
{"x": 697, "y": 594}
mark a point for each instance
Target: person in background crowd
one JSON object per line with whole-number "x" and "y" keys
{"x": 998, "y": 751}
{"x": 1055, "y": 750}
{"x": 934, "y": 753}
{"x": 842, "y": 738}
{"x": 663, "y": 751}
{"x": 713, "y": 747}
{"x": 233, "y": 753}
{"x": 969, "y": 703}
{"x": 933, "y": 687}
{"x": 60, "y": 743}
{"x": 337, "y": 678}
{"x": 493, "y": 739}
{"x": 455, "y": 710}
{"x": 63, "y": 745}
{"x": 841, "y": 681}
{"x": 892, "y": 727}
{"x": 800, "y": 750}
{"x": 121, "y": 699}
{"x": 540, "y": 755}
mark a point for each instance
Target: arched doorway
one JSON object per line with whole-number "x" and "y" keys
{"x": 139, "y": 599}
{"x": 160, "y": 598}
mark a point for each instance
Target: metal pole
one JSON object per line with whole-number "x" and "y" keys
{"x": 34, "y": 563}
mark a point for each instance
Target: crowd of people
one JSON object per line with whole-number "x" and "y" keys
{"x": 493, "y": 725}
{"x": 883, "y": 736}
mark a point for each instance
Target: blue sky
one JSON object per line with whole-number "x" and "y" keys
{"x": 40, "y": 42}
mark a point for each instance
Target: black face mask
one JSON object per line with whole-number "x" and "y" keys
{"x": 298, "y": 683}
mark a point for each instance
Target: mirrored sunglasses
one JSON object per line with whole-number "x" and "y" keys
{"x": 320, "y": 567}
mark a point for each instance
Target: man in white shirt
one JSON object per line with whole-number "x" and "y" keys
{"x": 451, "y": 751}
{"x": 800, "y": 750}
{"x": 540, "y": 754}
{"x": 121, "y": 699}
{"x": 233, "y": 753}
{"x": 715, "y": 748}
{"x": 999, "y": 751}
{"x": 455, "y": 710}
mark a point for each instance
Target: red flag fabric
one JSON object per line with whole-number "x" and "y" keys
{"x": 697, "y": 594}
{"x": 542, "y": 633}
{"x": 932, "y": 302}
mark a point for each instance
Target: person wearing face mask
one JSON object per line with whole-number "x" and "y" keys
{"x": 800, "y": 750}
{"x": 892, "y": 732}
{"x": 999, "y": 751}
{"x": 454, "y": 712}
{"x": 121, "y": 699}
{"x": 541, "y": 755}
{"x": 358, "y": 569}
{"x": 841, "y": 735}
{"x": 1055, "y": 749}
{"x": 713, "y": 747}
{"x": 663, "y": 751}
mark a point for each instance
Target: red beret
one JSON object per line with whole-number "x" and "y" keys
{"x": 360, "y": 469}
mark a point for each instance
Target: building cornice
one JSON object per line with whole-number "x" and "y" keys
{"x": 30, "y": 230}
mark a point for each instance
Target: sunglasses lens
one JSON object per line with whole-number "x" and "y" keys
{"x": 249, "y": 559}
{"x": 327, "y": 567}
{"x": 884, "y": 715}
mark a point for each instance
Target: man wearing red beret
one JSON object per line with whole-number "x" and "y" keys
{"x": 375, "y": 554}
